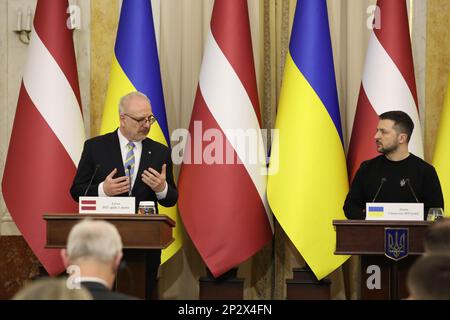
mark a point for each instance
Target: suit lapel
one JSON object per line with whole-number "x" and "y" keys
{"x": 145, "y": 162}
{"x": 116, "y": 154}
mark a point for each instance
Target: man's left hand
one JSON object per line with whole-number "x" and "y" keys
{"x": 155, "y": 180}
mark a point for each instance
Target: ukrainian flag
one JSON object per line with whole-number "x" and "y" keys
{"x": 308, "y": 182}
{"x": 135, "y": 67}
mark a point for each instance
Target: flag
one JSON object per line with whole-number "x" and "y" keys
{"x": 442, "y": 149}
{"x": 222, "y": 185}
{"x": 308, "y": 181}
{"x": 135, "y": 67}
{"x": 48, "y": 132}
{"x": 388, "y": 84}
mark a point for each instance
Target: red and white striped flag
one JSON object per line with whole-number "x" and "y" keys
{"x": 48, "y": 134}
{"x": 388, "y": 83}
{"x": 222, "y": 189}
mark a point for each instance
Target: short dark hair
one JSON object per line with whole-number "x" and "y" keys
{"x": 402, "y": 122}
{"x": 429, "y": 278}
{"x": 437, "y": 238}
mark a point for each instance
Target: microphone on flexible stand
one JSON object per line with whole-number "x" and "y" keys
{"x": 92, "y": 179}
{"x": 383, "y": 180}
{"x": 129, "y": 180}
{"x": 412, "y": 190}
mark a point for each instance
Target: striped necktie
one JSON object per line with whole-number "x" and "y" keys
{"x": 129, "y": 162}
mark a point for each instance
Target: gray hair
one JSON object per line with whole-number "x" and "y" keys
{"x": 123, "y": 101}
{"x": 51, "y": 289}
{"x": 96, "y": 239}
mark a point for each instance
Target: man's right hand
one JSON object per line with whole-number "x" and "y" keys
{"x": 113, "y": 187}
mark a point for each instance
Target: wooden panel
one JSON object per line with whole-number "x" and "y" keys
{"x": 137, "y": 231}
{"x": 18, "y": 264}
{"x": 367, "y": 237}
{"x": 131, "y": 280}
{"x": 381, "y": 292}
{"x": 305, "y": 286}
{"x": 392, "y": 277}
{"x": 225, "y": 287}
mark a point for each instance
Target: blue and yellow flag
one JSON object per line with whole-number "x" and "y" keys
{"x": 135, "y": 67}
{"x": 308, "y": 182}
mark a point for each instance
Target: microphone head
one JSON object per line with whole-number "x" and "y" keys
{"x": 128, "y": 167}
{"x": 92, "y": 179}
{"x": 383, "y": 180}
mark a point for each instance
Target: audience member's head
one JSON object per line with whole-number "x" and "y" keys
{"x": 437, "y": 239}
{"x": 95, "y": 247}
{"x": 429, "y": 278}
{"x": 51, "y": 289}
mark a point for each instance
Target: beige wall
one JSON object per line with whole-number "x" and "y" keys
{"x": 438, "y": 67}
{"x": 104, "y": 19}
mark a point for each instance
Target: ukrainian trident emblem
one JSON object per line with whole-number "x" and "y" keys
{"x": 396, "y": 243}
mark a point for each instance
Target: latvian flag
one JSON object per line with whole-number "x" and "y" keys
{"x": 48, "y": 133}
{"x": 223, "y": 203}
{"x": 88, "y": 205}
{"x": 388, "y": 83}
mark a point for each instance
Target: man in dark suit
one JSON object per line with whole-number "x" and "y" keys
{"x": 95, "y": 249}
{"x": 127, "y": 163}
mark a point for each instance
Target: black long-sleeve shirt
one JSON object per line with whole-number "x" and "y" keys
{"x": 422, "y": 176}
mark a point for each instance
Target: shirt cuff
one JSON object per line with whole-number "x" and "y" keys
{"x": 162, "y": 195}
{"x": 101, "y": 193}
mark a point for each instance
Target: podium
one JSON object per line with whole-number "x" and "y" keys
{"x": 381, "y": 277}
{"x": 139, "y": 233}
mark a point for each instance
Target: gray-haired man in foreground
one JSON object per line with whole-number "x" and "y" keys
{"x": 95, "y": 249}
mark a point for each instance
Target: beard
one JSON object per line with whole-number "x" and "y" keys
{"x": 388, "y": 149}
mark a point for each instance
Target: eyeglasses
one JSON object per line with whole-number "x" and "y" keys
{"x": 150, "y": 119}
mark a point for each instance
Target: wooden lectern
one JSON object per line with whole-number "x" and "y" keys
{"x": 366, "y": 238}
{"x": 139, "y": 233}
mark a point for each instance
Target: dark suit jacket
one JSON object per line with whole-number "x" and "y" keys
{"x": 100, "y": 292}
{"x": 104, "y": 152}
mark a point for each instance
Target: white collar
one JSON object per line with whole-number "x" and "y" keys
{"x": 124, "y": 141}
{"x": 90, "y": 279}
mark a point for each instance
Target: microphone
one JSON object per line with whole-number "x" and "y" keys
{"x": 92, "y": 178}
{"x": 383, "y": 180}
{"x": 129, "y": 179}
{"x": 411, "y": 188}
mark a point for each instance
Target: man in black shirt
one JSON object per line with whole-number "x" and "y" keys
{"x": 396, "y": 175}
